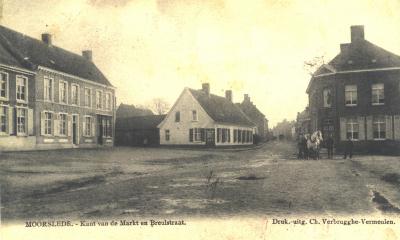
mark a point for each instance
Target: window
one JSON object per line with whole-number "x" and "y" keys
{"x": 108, "y": 101}
{"x": 48, "y": 89}
{"x": 351, "y": 95}
{"x": 239, "y": 136}
{"x": 3, "y": 85}
{"x": 107, "y": 130}
{"x": 63, "y": 89}
{"x": 3, "y": 119}
{"x": 88, "y": 97}
{"x": 63, "y": 124}
{"x": 327, "y": 98}
{"x": 378, "y": 94}
{"x": 21, "y": 84}
{"x": 194, "y": 115}
{"x": 74, "y": 94}
{"x": 235, "y": 132}
{"x": 196, "y": 135}
{"x": 88, "y": 126}
{"x": 379, "y": 127}
{"x": 352, "y": 128}
{"x": 99, "y": 99}
{"x": 177, "y": 116}
{"x": 167, "y": 135}
{"x": 21, "y": 121}
{"x": 48, "y": 123}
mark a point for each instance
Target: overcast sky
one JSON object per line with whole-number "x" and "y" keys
{"x": 152, "y": 48}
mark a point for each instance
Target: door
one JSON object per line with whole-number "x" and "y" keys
{"x": 100, "y": 129}
{"x": 210, "y": 137}
{"x": 74, "y": 129}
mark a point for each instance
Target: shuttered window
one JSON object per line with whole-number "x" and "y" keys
{"x": 352, "y": 128}
{"x": 3, "y": 119}
{"x": 379, "y": 127}
{"x": 62, "y": 124}
{"x": 21, "y": 121}
{"x": 48, "y": 123}
{"x": 63, "y": 90}
{"x": 48, "y": 89}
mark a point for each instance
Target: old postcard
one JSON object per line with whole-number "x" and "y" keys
{"x": 189, "y": 119}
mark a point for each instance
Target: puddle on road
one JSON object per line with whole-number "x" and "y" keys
{"x": 383, "y": 204}
{"x": 250, "y": 177}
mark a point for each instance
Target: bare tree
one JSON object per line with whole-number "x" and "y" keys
{"x": 159, "y": 106}
{"x": 312, "y": 65}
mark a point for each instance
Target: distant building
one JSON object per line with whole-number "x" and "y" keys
{"x": 126, "y": 110}
{"x": 50, "y": 97}
{"x": 201, "y": 118}
{"x": 256, "y": 116}
{"x": 284, "y": 130}
{"x": 303, "y": 123}
{"x": 357, "y": 95}
{"x": 138, "y": 131}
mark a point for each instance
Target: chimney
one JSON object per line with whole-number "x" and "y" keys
{"x": 46, "y": 38}
{"x": 206, "y": 88}
{"x": 88, "y": 55}
{"x": 228, "y": 95}
{"x": 246, "y": 98}
{"x": 344, "y": 47}
{"x": 357, "y": 33}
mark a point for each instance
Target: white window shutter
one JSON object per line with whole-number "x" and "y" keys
{"x": 370, "y": 130}
{"x": 30, "y": 121}
{"x": 11, "y": 120}
{"x": 69, "y": 125}
{"x": 93, "y": 127}
{"x": 361, "y": 128}
{"x": 389, "y": 128}
{"x": 56, "y": 121}
{"x": 397, "y": 127}
{"x": 42, "y": 126}
{"x": 343, "y": 130}
{"x": 84, "y": 126}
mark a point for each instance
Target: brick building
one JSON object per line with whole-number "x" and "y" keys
{"x": 50, "y": 97}
{"x": 357, "y": 95}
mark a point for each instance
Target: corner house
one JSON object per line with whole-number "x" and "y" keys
{"x": 357, "y": 95}
{"x": 50, "y": 97}
{"x": 201, "y": 118}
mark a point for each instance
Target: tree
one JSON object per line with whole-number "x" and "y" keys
{"x": 312, "y": 65}
{"x": 159, "y": 106}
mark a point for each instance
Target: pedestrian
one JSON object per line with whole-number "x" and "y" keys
{"x": 348, "y": 148}
{"x": 329, "y": 145}
{"x": 300, "y": 154}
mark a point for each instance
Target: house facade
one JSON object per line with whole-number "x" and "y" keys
{"x": 256, "y": 116}
{"x": 204, "y": 119}
{"x": 357, "y": 95}
{"x": 68, "y": 102}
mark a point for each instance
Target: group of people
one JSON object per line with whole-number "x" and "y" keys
{"x": 309, "y": 146}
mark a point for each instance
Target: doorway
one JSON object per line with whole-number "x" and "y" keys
{"x": 75, "y": 129}
{"x": 100, "y": 129}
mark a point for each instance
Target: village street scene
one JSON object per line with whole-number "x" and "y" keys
{"x": 76, "y": 143}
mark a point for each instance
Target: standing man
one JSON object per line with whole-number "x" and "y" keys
{"x": 348, "y": 148}
{"x": 329, "y": 146}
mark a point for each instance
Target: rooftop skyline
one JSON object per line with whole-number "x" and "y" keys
{"x": 151, "y": 49}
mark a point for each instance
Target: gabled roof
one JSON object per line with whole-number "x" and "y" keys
{"x": 139, "y": 123}
{"x": 250, "y": 109}
{"x": 30, "y": 53}
{"x": 363, "y": 54}
{"x": 220, "y": 109}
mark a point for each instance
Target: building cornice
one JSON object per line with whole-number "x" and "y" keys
{"x": 357, "y": 71}
{"x": 74, "y": 77}
{"x": 17, "y": 69}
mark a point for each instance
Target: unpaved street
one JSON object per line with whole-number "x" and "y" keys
{"x": 126, "y": 182}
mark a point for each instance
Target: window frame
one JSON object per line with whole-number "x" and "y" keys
{"x": 60, "y": 124}
{"x": 99, "y": 104}
{"x": 354, "y": 125}
{"x": 77, "y": 94}
{"x": 323, "y": 97}
{"x": 108, "y": 104}
{"x": 376, "y": 122}
{"x": 167, "y": 134}
{"x": 46, "y": 121}
{"x": 90, "y": 104}
{"x": 6, "y": 122}
{"x": 177, "y": 116}
{"x": 60, "y": 83}
{"x": 51, "y": 82}
{"x": 17, "y": 119}
{"x": 195, "y": 116}
{"x": 352, "y": 104}
{"x": 26, "y": 88}
{"x": 7, "y": 86}
{"x": 378, "y": 95}
{"x": 88, "y": 130}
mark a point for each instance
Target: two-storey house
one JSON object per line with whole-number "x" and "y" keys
{"x": 357, "y": 95}
{"x": 204, "y": 119}
{"x": 69, "y": 102}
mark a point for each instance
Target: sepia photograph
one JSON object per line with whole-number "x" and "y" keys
{"x": 189, "y": 119}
